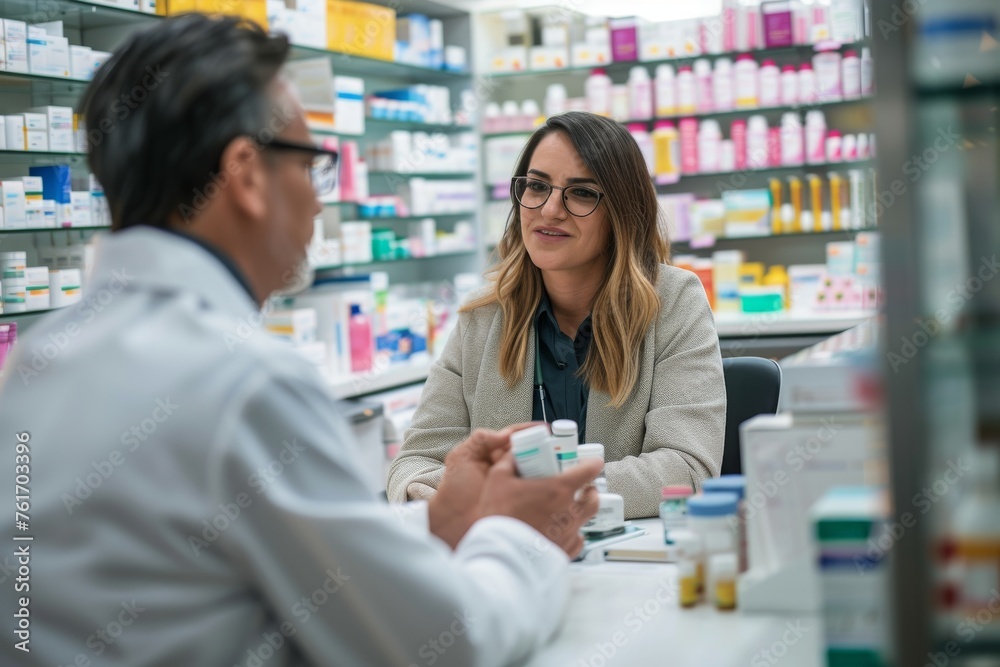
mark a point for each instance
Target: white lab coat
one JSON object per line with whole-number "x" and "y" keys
{"x": 157, "y": 411}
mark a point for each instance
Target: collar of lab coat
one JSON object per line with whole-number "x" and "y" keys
{"x": 146, "y": 258}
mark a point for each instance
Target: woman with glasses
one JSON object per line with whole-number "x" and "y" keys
{"x": 584, "y": 319}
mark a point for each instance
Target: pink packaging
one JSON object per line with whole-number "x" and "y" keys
{"x": 777, "y": 24}
{"x": 738, "y": 134}
{"x": 689, "y": 145}
{"x": 729, "y": 26}
{"x": 774, "y": 146}
{"x": 624, "y": 41}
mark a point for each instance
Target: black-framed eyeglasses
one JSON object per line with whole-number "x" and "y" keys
{"x": 323, "y": 171}
{"x": 579, "y": 200}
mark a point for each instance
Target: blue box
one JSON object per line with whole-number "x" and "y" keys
{"x": 56, "y": 182}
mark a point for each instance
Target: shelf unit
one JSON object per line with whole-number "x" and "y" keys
{"x": 360, "y": 384}
{"x": 848, "y": 115}
{"x": 37, "y": 230}
{"x": 105, "y": 27}
{"x": 377, "y": 263}
{"x": 940, "y": 337}
{"x": 718, "y": 114}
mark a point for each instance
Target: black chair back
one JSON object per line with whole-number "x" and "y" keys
{"x": 752, "y": 387}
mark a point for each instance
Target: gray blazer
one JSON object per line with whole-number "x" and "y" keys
{"x": 669, "y": 431}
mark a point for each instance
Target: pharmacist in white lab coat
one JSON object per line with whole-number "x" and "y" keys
{"x": 192, "y": 493}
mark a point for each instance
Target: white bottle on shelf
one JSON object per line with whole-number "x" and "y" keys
{"x": 709, "y": 138}
{"x": 687, "y": 101}
{"x": 789, "y": 86}
{"x": 770, "y": 85}
{"x": 640, "y": 94}
{"x": 723, "y": 95}
{"x": 850, "y": 77}
{"x": 598, "y": 92}
{"x": 757, "y": 142}
{"x": 746, "y": 82}
{"x": 867, "y": 72}
{"x": 827, "y": 67}
{"x": 704, "y": 94}
{"x": 792, "y": 150}
{"x": 807, "y": 84}
{"x": 555, "y": 99}
{"x": 644, "y": 139}
{"x": 815, "y": 136}
{"x": 666, "y": 91}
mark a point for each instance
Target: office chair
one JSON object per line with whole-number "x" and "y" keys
{"x": 752, "y": 387}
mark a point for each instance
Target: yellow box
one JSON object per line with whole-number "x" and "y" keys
{"x": 361, "y": 29}
{"x": 255, "y": 10}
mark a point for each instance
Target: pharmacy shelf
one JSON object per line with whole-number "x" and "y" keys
{"x": 785, "y": 324}
{"x": 388, "y": 124}
{"x": 683, "y": 184}
{"x": 38, "y": 156}
{"x": 709, "y": 242}
{"x": 717, "y": 114}
{"x": 620, "y": 66}
{"x": 769, "y": 171}
{"x": 345, "y": 63}
{"x": 21, "y": 81}
{"x": 74, "y": 14}
{"x": 359, "y": 384}
{"x": 407, "y": 218}
{"x": 440, "y": 255}
{"x": 423, "y": 174}
{"x": 28, "y": 313}
{"x": 33, "y": 230}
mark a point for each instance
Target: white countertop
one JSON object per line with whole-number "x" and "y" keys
{"x": 785, "y": 323}
{"x": 626, "y": 613}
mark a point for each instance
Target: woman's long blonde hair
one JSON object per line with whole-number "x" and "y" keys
{"x": 626, "y": 303}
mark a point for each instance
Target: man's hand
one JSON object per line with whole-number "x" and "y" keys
{"x": 548, "y": 505}
{"x": 456, "y": 505}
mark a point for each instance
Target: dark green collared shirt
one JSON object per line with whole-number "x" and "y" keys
{"x": 561, "y": 357}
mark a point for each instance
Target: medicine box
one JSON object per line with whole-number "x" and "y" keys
{"x": 60, "y": 127}
{"x": 34, "y": 214}
{"x": 15, "y": 38}
{"x": 14, "y": 131}
{"x": 349, "y": 27}
{"x": 255, "y": 10}
{"x": 33, "y": 188}
{"x": 349, "y": 105}
{"x": 81, "y": 62}
{"x": 55, "y": 182}
{"x": 12, "y": 198}
{"x": 64, "y": 287}
{"x": 80, "y": 209}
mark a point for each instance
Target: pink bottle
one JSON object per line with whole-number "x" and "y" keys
{"x": 738, "y": 134}
{"x": 774, "y": 146}
{"x": 360, "y": 333}
{"x": 3, "y": 345}
{"x": 689, "y": 145}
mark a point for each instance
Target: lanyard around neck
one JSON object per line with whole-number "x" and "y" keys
{"x": 538, "y": 375}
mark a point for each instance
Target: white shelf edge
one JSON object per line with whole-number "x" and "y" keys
{"x": 783, "y": 324}
{"x": 365, "y": 383}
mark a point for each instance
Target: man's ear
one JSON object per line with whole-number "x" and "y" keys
{"x": 243, "y": 166}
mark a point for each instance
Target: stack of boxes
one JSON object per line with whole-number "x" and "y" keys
{"x": 47, "y": 128}
{"x": 45, "y": 200}
{"x": 42, "y": 49}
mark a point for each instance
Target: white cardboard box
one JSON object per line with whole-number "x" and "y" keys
{"x": 15, "y": 36}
